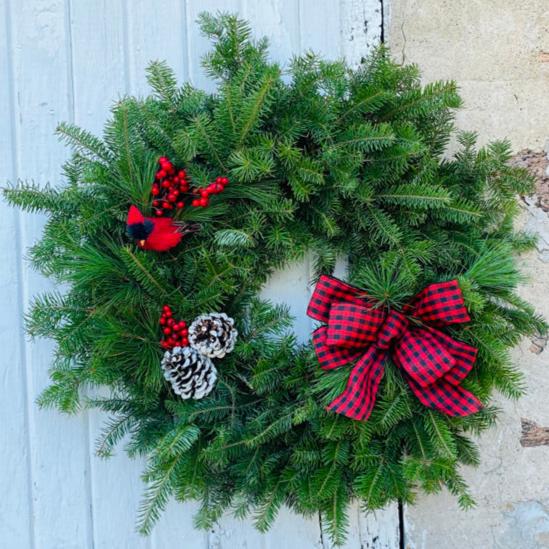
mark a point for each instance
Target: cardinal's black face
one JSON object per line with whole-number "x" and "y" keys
{"x": 140, "y": 231}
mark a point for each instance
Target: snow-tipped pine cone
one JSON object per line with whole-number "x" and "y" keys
{"x": 191, "y": 374}
{"x": 213, "y": 335}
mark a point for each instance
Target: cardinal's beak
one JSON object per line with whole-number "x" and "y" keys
{"x": 141, "y": 243}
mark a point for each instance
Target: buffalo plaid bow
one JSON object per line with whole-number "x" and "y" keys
{"x": 434, "y": 364}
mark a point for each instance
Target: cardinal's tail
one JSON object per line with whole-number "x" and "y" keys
{"x": 184, "y": 227}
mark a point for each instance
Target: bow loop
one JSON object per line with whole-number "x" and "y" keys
{"x": 353, "y": 325}
{"x": 331, "y": 357}
{"x": 329, "y": 290}
{"x": 355, "y": 330}
{"x": 441, "y": 304}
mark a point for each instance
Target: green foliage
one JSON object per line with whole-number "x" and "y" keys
{"x": 340, "y": 162}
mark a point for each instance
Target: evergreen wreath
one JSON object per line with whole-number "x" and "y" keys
{"x": 323, "y": 160}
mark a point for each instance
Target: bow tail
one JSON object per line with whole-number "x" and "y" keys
{"x": 452, "y": 400}
{"x": 359, "y": 397}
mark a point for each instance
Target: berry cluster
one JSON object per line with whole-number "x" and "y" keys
{"x": 213, "y": 188}
{"x": 175, "y": 331}
{"x": 171, "y": 187}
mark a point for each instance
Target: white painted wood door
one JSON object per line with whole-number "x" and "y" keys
{"x": 69, "y": 60}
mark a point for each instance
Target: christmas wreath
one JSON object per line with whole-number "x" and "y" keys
{"x": 170, "y": 224}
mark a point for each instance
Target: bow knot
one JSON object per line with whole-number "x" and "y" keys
{"x": 392, "y": 330}
{"x": 357, "y": 328}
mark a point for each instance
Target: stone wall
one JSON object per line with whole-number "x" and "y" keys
{"x": 498, "y": 52}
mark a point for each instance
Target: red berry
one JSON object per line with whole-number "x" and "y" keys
{"x": 195, "y": 202}
{"x": 162, "y": 159}
{"x": 158, "y": 212}
{"x": 155, "y": 191}
{"x": 224, "y": 181}
{"x": 204, "y": 193}
{"x": 162, "y": 321}
{"x": 168, "y": 313}
{"x": 167, "y": 330}
{"x": 180, "y": 205}
{"x": 165, "y": 184}
{"x": 203, "y": 202}
{"x": 184, "y": 332}
{"x": 161, "y": 174}
{"x": 185, "y": 341}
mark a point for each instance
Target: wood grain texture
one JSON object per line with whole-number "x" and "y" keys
{"x": 361, "y": 28}
{"x": 533, "y": 434}
{"x": 70, "y": 60}
{"x": 58, "y": 445}
{"x": 16, "y": 519}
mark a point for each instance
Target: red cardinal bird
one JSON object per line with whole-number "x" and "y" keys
{"x": 155, "y": 233}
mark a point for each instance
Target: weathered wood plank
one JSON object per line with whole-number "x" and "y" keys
{"x": 59, "y": 446}
{"x": 361, "y": 28}
{"x": 198, "y": 45}
{"x": 278, "y": 20}
{"x": 16, "y": 520}
{"x": 156, "y": 30}
{"x": 320, "y": 24}
{"x": 533, "y": 434}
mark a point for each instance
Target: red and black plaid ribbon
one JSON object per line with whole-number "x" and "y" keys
{"x": 356, "y": 328}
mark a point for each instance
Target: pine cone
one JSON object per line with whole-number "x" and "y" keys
{"x": 191, "y": 374}
{"x": 213, "y": 335}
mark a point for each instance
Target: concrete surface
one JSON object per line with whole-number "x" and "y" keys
{"x": 497, "y": 50}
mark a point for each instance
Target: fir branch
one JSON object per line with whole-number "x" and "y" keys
{"x": 256, "y": 105}
{"x": 83, "y": 141}
{"x": 156, "y": 495}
